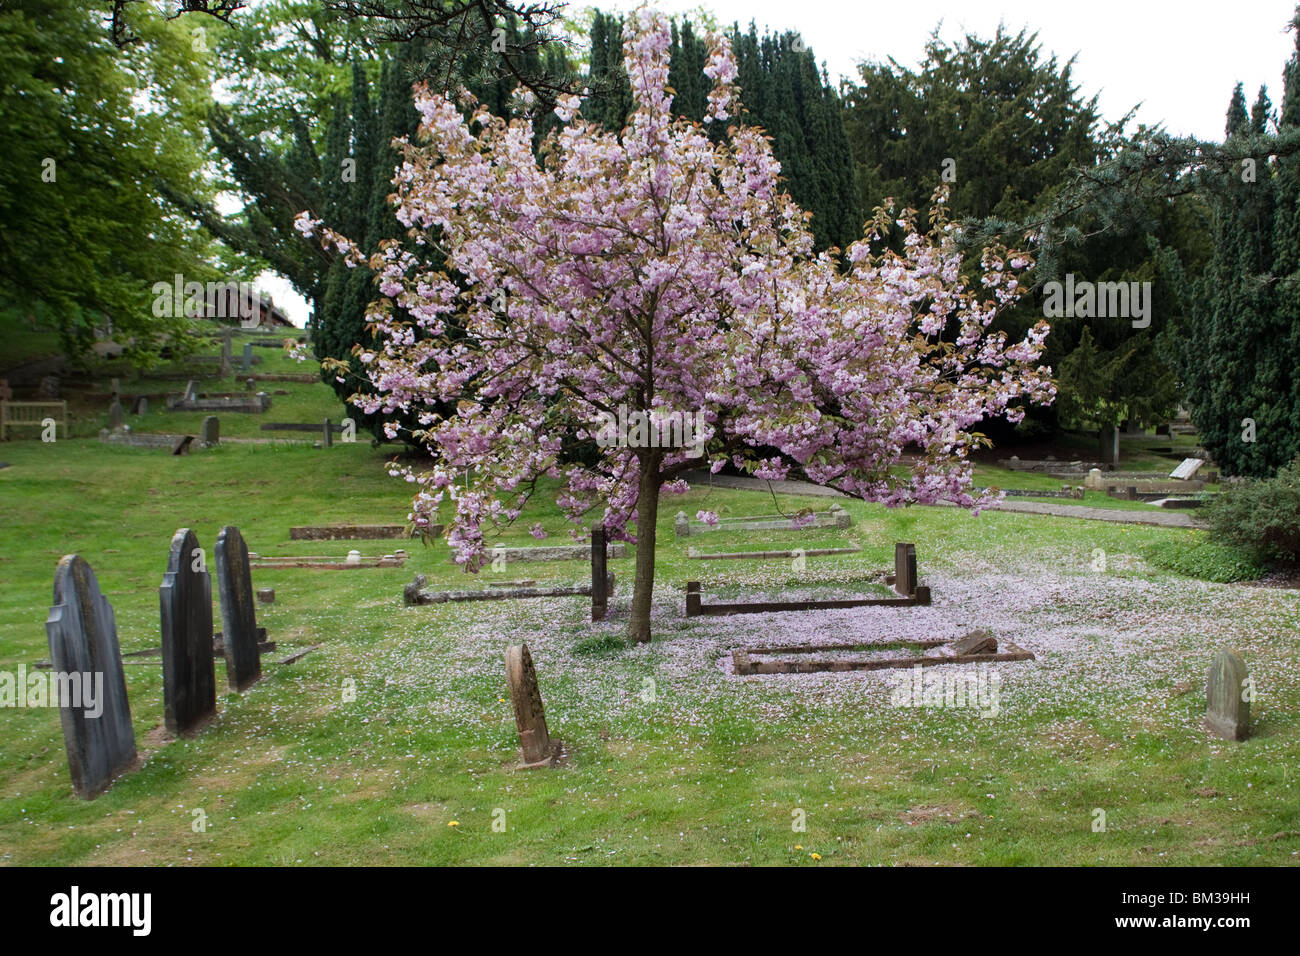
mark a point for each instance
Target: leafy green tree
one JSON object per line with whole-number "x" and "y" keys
{"x": 1007, "y": 129}
{"x": 87, "y": 130}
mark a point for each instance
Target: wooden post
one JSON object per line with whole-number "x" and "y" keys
{"x": 329, "y": 437}
{"x": 599, "y": 590}
{"x": 692, "y": 598}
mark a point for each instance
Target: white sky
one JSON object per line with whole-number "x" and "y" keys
{"x": 1178, "y": 60}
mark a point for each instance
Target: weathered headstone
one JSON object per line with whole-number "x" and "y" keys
{"x": 1188, "y": 468}
{"x": 238, "y": 617}
{"x": 536, "y": 748}
{"x": 141, "y": 406}
{"x": 599, "y": 597}
{"x": 1094, "y": 480}
{"x": 191, "y": 391}
{"x": 1227, "y": 697}
{"x": 226, "y": 336}
{"x": 266, "y": 595}
{"x": 210, "y": 434}
{"x": 185, "y": 599}
{"x": 116, "y": 415}
{"x": 84, "y": 654}
{"x": 49, "y": 388}
{"x": 905, "y": 569}
{"x": 681, "y": 525}
{"x": 115, "y": 386}
{"x": 246, "y": 363}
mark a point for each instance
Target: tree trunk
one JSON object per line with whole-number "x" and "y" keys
{"x": 647, "y": 513}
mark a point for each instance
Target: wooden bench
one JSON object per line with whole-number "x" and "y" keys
{"x": 32, "y": 413}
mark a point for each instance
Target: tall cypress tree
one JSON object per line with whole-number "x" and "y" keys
{"x": 1243, "y": 327}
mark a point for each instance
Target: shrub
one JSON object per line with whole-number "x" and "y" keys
{"x": 1261, "y": 517}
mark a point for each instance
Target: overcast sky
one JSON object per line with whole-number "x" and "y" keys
{"x": 1178, "y": 60}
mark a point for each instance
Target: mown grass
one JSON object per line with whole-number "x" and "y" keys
{"x": 289, "y": 773}
{"x": 702, "y": 770}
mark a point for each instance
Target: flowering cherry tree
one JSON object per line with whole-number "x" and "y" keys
{"x": 658, "y": 271}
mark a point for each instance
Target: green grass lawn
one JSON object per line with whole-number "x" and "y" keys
{"x": 672, "y": 759}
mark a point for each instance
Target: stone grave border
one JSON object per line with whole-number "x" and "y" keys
{"x": 256, "y": 560}
{"x": 694, "y": 555}
{"x": 833, "y": 517}
{"x": 553, "y": 552}
{"x": 176, "y": 444}
{"x": 352, "y": 532}
{"x": 745, "y": 666}
{"x": 414, "y": 595}
{"x": 259, "y": 403}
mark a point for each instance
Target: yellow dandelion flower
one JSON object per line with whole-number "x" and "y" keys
{"x": 815, "y": 856}
{"x": 454, "y": 823}
{"x": 798, "y": 846}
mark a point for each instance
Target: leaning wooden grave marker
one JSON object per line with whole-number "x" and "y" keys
{"x": 238, "y": 616}
{"x": 87, "y": 663}
{"x": 185, "y": 600}
{"x": 977, "y": 647}
{"x": 536, "y": 748}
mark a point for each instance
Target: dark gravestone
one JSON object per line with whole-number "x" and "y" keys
{"x": 599, "y": 593}
{"x": 247, "y": 362}
{"x": 1227, "y": 697}
{"x": 49, "y": 388}
{"x": 905, "y": 569}
{"x": 185, "y": 598}
{"x": 329, "y": 436}
{"x": 210, "y": 433}
{"x": 536, "y": 748}
{"x": 238, "y": 618}
{"x": 116, "y": 415}
{"x": 141, "y": 406}
{"x": 82, "y": 632}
